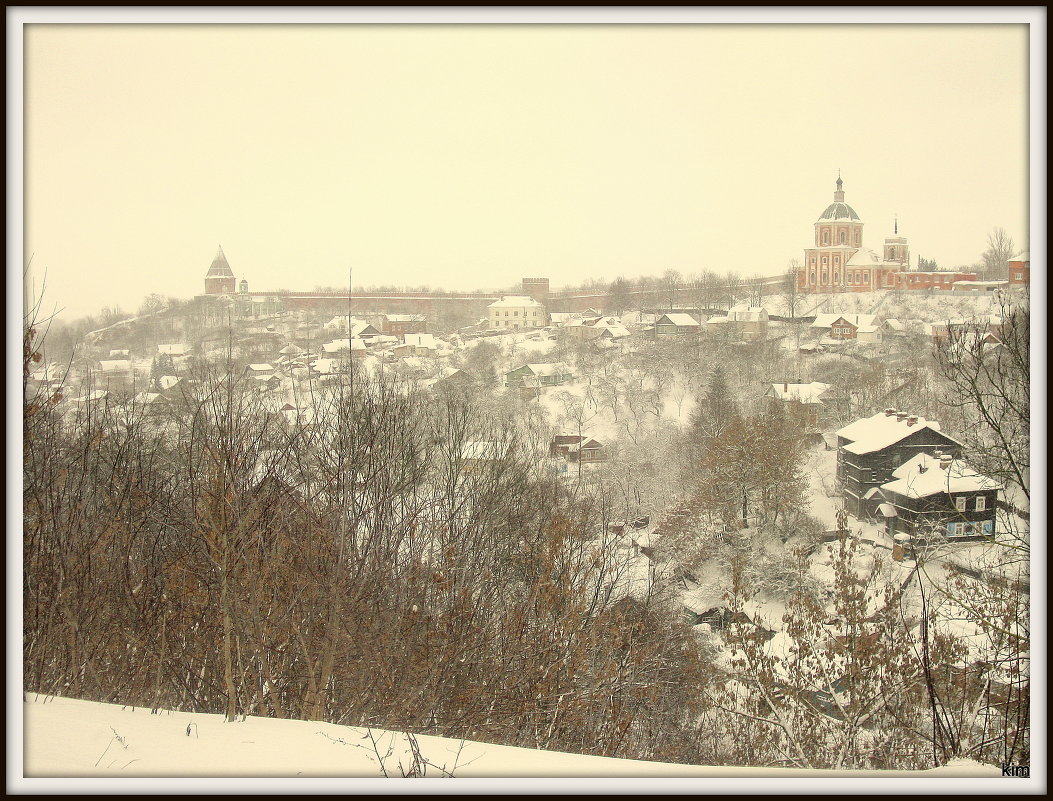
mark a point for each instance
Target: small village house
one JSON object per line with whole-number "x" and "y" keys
{"x": 398, "y": 325}
{"x": 539, "y": 375}
{"x": 843, "y": 326}
{"x": 676, "y": 323}
{"x": 577, "y": 448}
{"x": 744, "y": 323}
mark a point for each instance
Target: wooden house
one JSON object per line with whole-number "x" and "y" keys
{"x": 938, "y": 495}
{"x": 539, "y": 375}
{"x": 870, "y": 449}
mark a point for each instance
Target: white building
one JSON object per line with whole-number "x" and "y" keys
{"x": 516, "y": 312}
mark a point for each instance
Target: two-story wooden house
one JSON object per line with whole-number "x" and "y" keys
{"x": 939, "y": 495}
{"x": 871, "y": 449}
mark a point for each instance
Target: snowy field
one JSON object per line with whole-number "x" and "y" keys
{"x": 70, "y": 738}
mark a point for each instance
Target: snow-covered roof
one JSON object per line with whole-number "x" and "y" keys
{"x": 745, "y": 313}
{"x": 679, "y": 318}
{"x": 404, "y": 318}
{"x": 1023, "y": 256}
{"x": 880, "y": 431}
{"x": 291, "y": 350}
{"x": 556, "y": 368}
{"x": 864, "y": 257}
{"x": 260, "y": 368}
{"x": 805, "y": 393}
{"x": 117, "y": 352}
{"x": 617, "y": 330}
{"x": 168, "y": 381}
{"x": 827, "y": 320}
{"x": 893, "y": 324}
{"x": 115, "y": 365}
{"x": 513, "y": 301}
{"x": 866, "y": 329}
{"x": 174, "y": 349}
{"x": 923, "y": 476}
{"x": 420, "y": 340}
{"x": 325, "y": 366}
{"x": 343, "y": 344}
{"x": 562, "y": 317}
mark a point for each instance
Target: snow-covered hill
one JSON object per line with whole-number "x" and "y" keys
{"x": 71, "y": 738}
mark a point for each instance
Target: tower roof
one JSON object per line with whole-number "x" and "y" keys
{"x": 838, "y": 210}
{"x": 219, "y": 268}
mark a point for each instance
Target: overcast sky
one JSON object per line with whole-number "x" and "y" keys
{"x": 471, "y": 156}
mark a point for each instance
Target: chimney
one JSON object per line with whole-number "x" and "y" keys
{"x": 901, "y": 416}
{"x": 922, "y": 467}
{"x": 912, "y": 420}
{"x": 889, "y": 412}
{"x": 945, "y": 461}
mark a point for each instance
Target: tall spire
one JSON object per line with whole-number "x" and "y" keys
{"x": 839, "y": 195}
{"x": 895, "y": 225}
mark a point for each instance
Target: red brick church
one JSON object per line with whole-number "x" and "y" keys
{"x": 838, "y": 261}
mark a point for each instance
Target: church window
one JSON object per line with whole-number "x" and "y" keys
{"x": 857, "y": 238}
{"x": 866, "y": 276}
{"x": 891, "y": 253}
{"x": 824, "y": 261}
{"x": 825, "y": 276}
{"x": 842, "y": 237}
{"x": 826, "y": 237}
{"x": 812, "y": 278}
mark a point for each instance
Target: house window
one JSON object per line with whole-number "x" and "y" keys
{"x": 981, "y": 504}
{"x": 873, "y": 473}
{"x": 811, "y": 278}
{"x": 959, "y": 503}
{"x": 954, "y": 529}
{"x": 1019, "y": 276}
{"x": 515, "y": 314}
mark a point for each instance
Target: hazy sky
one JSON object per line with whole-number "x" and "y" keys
{"x": 471, "y": 156}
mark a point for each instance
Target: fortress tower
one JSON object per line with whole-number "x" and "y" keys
{"x": 219, "y": 280}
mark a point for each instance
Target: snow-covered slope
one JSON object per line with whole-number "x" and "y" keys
{"x": 71, "y": 738}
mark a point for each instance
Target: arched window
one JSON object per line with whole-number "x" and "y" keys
{"x": 857, "y": 238}
{"x": 837, "y": 276}
{"x": 843, "y": 236}
{"x": 812, "y": 279}
{"x": 891, "y": 254}
{"x": 825, "y": 274}
{"x": 826, "y": 237}
{"x": 824, "y": 261}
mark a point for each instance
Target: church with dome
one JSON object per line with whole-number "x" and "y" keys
{"x": 837, "y": 261}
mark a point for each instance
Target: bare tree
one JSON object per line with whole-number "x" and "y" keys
{"x": 1000, "y": 249}
{"x": 791, "y": 292}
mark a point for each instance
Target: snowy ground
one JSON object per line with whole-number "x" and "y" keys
{"x": 71, "y": 738}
